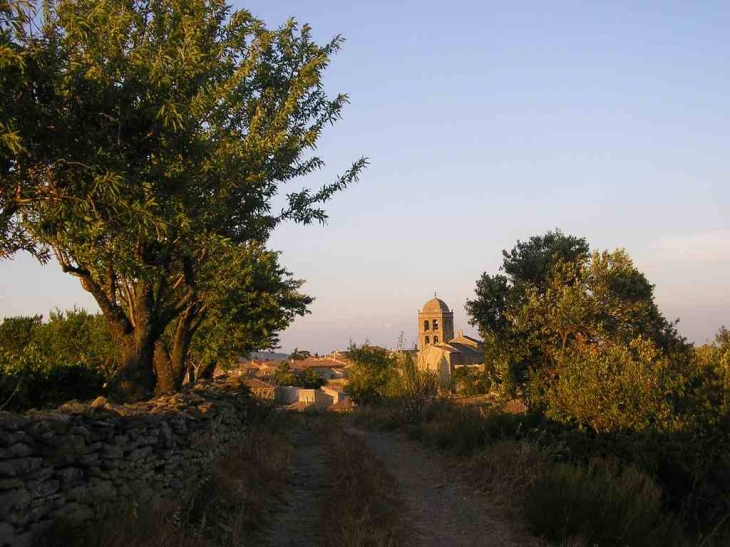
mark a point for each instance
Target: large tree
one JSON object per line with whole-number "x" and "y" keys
{"x": 247, "y": 299}
{"x": 160, "y": 131}
{"x": 557, "y": 300}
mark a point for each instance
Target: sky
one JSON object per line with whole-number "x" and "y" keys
{"x": 486, "y": 123}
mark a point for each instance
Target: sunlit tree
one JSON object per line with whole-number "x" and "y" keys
{"x": 149, "y": 134}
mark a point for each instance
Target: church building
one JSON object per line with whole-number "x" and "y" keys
{"x": 438, "y": 349}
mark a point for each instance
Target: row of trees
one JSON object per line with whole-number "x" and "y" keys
{"x": 143, "y": 145}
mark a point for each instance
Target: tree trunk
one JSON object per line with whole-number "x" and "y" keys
{"x": 135, "y": 380}
{"x": 170, "y": 362}
{"x": 205, "y": 372}
{"x": 163, "y": 369}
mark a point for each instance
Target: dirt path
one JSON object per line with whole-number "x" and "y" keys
{"x": 443, "y": 510}
{"x": 296, "y": 523}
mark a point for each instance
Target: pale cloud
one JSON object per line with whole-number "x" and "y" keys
{"x": 705, "y": 247}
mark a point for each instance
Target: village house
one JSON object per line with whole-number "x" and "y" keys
{"x": 325, "y": 367}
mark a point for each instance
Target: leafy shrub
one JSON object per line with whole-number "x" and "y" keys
{"x": 26, "y": 382}
{"x": 470, "y": 381}
{"x": 599, "y": 504}
{"x": 285, "y": 376}
{"x": 507, "y": 468}
{"x": 612, "y": 387}
{"x": 45, "y": 364}
{"x": 371, "y": 373}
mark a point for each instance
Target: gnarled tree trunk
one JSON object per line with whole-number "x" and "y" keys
{"x": 171, "y": 361}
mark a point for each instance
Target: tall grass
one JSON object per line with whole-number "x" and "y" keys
{"x": 364, "y": 506}
{"x": 600, "y": 504}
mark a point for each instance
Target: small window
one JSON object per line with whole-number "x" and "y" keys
{"x": 428, "y": 340}
{"x": 435, "y": 324}
{"x": 425, "y": 325}
{"x": 435, "y": 339}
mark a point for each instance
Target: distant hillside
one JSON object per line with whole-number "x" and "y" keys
{"x": 268, "y": 356}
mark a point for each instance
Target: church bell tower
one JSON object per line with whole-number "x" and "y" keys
{"x": 435, "y": 323}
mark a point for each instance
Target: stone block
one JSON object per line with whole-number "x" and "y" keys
{"x": 41, "y": 474}
{"x": 19, "y": 467}
{"x": 7, "y": 533}
{"x": 13, "y": 500}
{"x": 81, "y": 431}
{"x": 69, "y": 476}
{"x": 112, "y": 451}
{"x": 89, "y": 459}
{"x": 41, "y": 489}
{"x": 99, "y": 402}
{"x": 102, "y": 489}
{"x": 79, "y": 513}
{"x": 8, "y": 484}
{"x": 15, "y": 450}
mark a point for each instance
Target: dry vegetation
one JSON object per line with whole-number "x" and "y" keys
{"x": 364, "y": 497}
{"x": 534, "y": 474}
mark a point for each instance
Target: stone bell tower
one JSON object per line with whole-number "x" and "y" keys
{"x": 435, "y": 323}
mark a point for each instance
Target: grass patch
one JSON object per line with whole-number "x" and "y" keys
{"x": 599, "y": 504}
{"x": 364, "y": 506}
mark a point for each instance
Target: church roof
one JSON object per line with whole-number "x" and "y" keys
{"x": 435, "y": 305}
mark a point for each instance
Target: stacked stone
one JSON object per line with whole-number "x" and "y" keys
{"x": 78, "y": 462}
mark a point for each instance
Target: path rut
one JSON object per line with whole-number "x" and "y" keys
{"x": 296, "y": 523}
{"x": 442, "y": 509}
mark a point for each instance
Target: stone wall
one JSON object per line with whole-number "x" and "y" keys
{"x": 80, "y": 461}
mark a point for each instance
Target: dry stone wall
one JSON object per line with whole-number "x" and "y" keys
{"x": 78, "y": 462}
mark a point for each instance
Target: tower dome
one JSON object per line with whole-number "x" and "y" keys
{"x": 435, "y": 305}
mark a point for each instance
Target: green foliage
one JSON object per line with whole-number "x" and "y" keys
{"x": 613, "y": 387}
{"x": 249, "y": 299}
{"x": 371, "y": 373}
{"x": 565, "y": 319}
{"x": 139, "y": 137}
{"x": 16, "y": 333}
{"x": 600, "y": 504}
{"x": 470, "y": 381}
{"x": 45, "y": 364}
{"x": 410, "y": 389}
{"x": 392, "y": 378}
{"x": 285, "y": 376}
{"x": 711, "y": 378}
{"x": 300, "y": 354}
{"x": 310, "y": 379}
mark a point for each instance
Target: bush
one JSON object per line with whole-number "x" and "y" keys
{"x": 470, "y": 381}
{"x": 285, "y": 376}
{"x": 611, "y": 387}
{"x": 45, "y": 364}
{"x": 26, "y": 382}
{"x": 506, "y": 469}
{"x": 371, "y": 373}
{"x": 600, "y": 504}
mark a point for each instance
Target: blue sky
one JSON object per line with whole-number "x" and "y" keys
{"x": 488, "y": 122}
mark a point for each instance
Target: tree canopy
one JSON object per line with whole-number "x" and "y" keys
{"x": 139, "y": 138}
{"x": 576, "y": 331}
